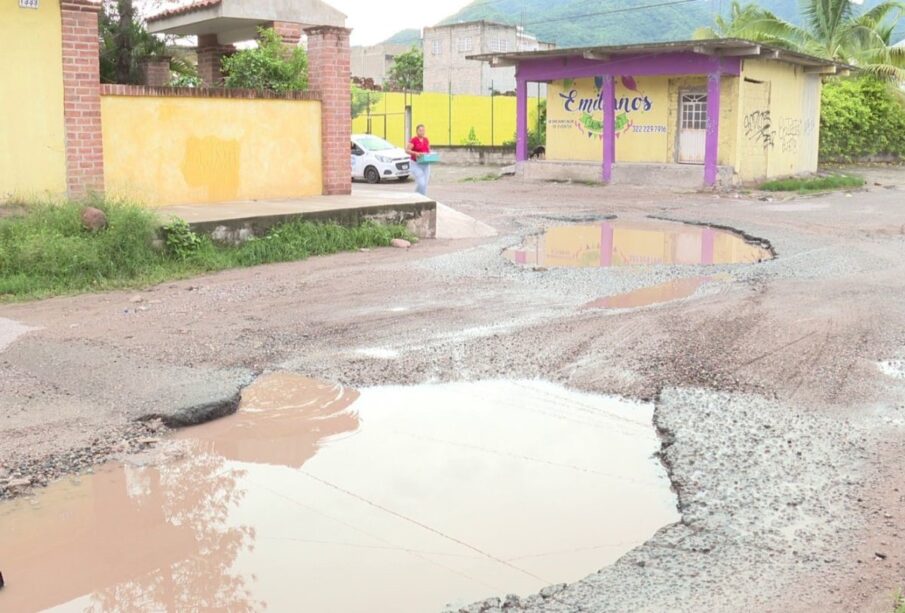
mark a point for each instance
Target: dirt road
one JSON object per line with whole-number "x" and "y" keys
{"x": 780, "y": 389}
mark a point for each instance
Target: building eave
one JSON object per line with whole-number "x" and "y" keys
{"x": 724, "y": 47}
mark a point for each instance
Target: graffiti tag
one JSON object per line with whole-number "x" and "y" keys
{"x": 790, "y": 134}
{"x": 759, "y": 128}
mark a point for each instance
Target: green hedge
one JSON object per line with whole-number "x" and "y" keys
{"x": 861, "y": 117}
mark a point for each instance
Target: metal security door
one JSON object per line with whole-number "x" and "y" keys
{"x": 692, "y": 128}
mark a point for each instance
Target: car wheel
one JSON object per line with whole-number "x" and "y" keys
{"x": 372, "y": 175}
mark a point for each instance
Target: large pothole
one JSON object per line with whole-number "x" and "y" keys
{"x": 322, "y": 498}
{"x": 614, "y": 243}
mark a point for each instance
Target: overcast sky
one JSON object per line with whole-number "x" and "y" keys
{"x": 372, "y": 21}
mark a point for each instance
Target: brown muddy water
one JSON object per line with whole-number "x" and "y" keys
{"x": 641, "y": 243}
{"x": 315, "y": 497}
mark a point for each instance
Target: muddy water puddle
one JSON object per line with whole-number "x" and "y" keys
{"x": 316, "y": 497}
{"x": 635, "y": 243}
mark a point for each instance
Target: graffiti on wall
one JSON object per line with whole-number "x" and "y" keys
{"x": 790, "y": 131}
{"x": 759, "y": 128}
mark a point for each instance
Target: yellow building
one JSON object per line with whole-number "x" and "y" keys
{"x": 718, "y": 111}
{"x": 32, "y": 135}
{"x": 64, "y": 134}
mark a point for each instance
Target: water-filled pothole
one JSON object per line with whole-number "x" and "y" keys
{"x": 320, "y": 498}
{"x": 635, "y": 243}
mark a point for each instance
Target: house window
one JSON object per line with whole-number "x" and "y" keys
{"x": 464, "y": 44}
{"x": 499, "y": 45}
{"x": 436, "y": 48}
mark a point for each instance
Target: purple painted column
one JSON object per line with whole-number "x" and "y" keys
{"x": 521, "y": 121}
{"x": 708, "y": 245}
{"x": 711, "y": 149}
{"x": 609, "y": 127}
{"x": 606, "y": 244}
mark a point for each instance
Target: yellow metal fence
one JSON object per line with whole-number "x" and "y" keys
{"x": 449, "y": 119}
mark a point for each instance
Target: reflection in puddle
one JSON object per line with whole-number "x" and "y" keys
{"x": 646, "y": 296}
{"x": 616, "y": 243}
{"x": 314, "y": 498}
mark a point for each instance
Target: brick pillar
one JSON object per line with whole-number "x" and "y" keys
{"x": 330, "y": 74}
{"x": 291, "y": 33}
{"x": 155, "y": 71}
{"x": 82, "y": 97}
{"x": 210, "y": 52}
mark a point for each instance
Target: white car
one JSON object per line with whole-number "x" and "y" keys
{"x": 374, "y": 159}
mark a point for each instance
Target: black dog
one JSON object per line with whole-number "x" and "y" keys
{"x": 539, "y": 153}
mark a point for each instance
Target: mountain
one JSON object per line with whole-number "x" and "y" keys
{"x": 405, "y": 37}
{"x": 571, "y": 23}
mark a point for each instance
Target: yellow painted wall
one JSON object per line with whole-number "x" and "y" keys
{"x": 729, "y": 109}
{"x": 435, "y": 110}
{"x": 173, "y": 150}
{"x": 575, "y": 120}
{"x": 643, "y": 134}
{"x": 780, "y": 120}
{"x": 32, "y": 136}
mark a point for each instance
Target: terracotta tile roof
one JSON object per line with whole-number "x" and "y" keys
{"x": 182, "y": 10}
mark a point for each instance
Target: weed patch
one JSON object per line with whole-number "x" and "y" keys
{"x": 814, "y": 184}
{"x": 45, "y": 250}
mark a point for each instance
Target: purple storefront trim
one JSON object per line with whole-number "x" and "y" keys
{"x": 663, "y": 64}
{"x": 609, "y": 128}
{"x": 712, "y": 144}
{"x": 521, "y": 122}
{"x": 552, "y": 69}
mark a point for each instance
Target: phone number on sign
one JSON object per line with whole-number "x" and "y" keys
{"x": 656, "y": 129}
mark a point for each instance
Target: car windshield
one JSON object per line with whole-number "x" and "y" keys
{"x": 372, "y": 143}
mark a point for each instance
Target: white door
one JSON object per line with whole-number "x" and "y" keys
{"x": 692, "y": 128}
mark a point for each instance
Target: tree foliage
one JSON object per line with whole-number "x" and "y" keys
{"x": 271, "y": 66}
{"x": 831, "y": 29}
{"x": 125, "y": 42}
{"x": 861, "y": 118}
{"x": 363, "y": 100}
{"x": 407, "y": 72}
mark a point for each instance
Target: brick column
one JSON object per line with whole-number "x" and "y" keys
{"x": 155, "y": 71}
{"x": 210, "y": 52}
{"x": 82, "y": 97}
{"x": 330, "y": 74}
{"x": 291, "y": 33}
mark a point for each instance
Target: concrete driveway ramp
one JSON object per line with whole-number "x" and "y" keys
{"x": 453, "y": 224}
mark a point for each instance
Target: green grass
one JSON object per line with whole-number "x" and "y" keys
{"x": 899, "y": 604}
{"x": 815, "y": 184}
{"x": 45, "y": 251}
{"x": 490, "y": 176}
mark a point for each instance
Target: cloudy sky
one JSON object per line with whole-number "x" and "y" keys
{"x": 372, "y": 21}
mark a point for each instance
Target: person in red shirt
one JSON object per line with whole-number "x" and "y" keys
{"x": 418, "y": 146}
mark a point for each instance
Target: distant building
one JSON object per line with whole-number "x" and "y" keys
{"x": 446, "y": 47}
{"x": 375, "y": 62}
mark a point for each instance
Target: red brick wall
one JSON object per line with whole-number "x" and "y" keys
{"x": 155, "y": 72}
{"x": 210, "y": 52}
{"x": 291, "y": 33}
{"x": 330, "y": 74}
{"x": 82, "y": 98}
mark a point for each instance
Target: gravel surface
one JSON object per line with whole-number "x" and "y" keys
{"x": 779, "y": 387}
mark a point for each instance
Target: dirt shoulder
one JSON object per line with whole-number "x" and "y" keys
{"x": 782, "y": 435}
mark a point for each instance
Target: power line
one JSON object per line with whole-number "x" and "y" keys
{"x": 613, "y": 11}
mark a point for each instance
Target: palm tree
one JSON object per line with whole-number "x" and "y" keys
{"x": 832, "y": 29}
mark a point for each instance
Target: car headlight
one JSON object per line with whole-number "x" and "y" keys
{"x": 384, "y": 159}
